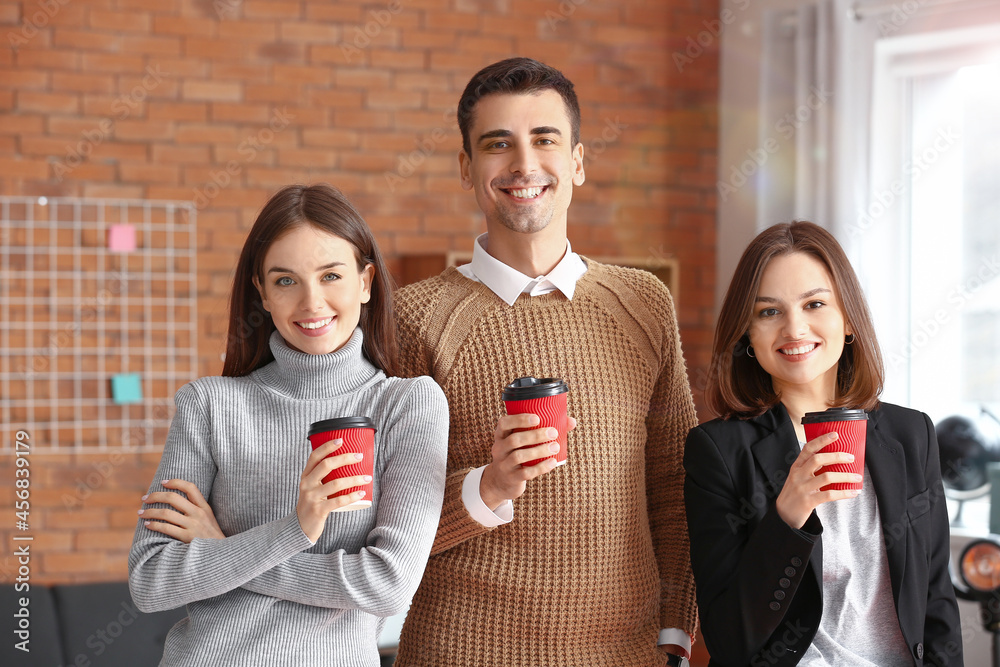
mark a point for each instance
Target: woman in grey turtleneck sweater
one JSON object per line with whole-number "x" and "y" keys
{"x": 270, "y": 573}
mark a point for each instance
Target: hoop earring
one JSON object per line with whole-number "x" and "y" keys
{"x": 849, "y": 340}
{"x": 750, "y": 352}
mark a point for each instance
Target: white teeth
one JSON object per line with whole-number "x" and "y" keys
{"x": 526, "y": 193}
{"x": 315, "y": 325}
{"x": 799, "y": 350}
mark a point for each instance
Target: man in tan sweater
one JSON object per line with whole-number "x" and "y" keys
{"x": 588, "y": 563}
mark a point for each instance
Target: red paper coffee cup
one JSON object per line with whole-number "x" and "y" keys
{"x": 852, "y": 427}
{"x": 545, "y": 397}
{"x": 358, "y": 434}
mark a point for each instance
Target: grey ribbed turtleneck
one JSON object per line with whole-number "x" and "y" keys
{"x": 265, "y": 595}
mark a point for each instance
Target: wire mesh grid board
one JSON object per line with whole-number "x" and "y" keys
{"x": 98, "y": 300}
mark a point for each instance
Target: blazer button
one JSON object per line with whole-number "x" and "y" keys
{"x": 789, "y": 571}
{"x": 796, "y": 561}
{"x": 919, "y": 650}
{"x": 774, "y": 606}
{"x": 784, "y": 583}
{"x": 779, "y": 594}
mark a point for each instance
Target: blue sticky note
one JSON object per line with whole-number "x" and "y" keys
{"x": 126, "y": 388}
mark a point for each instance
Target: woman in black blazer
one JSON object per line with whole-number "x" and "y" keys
{"x": 787, "y": 573}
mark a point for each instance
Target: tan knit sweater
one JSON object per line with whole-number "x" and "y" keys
{"x": 596, "y": 560}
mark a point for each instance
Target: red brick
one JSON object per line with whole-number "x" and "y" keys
{"x": 196, "y": 133}
{"x": 209, "y": 91}
{"x": 83, "y": 83}
{"x": 19, "y": 124}
{"x": 272, "y": 9}
{"x": 49, "y": 59}
{"x": 153, "y": 47}
{"x": 119, "y": 21}
{"x": 254, "y": 31}
{"x": 363, "y": 119}
{"x": 394, "y": 99}
{"x": 309, "y": 32}
{"x": 245, "y": 72}
{"x": 301, "y": 157}
{"x": 18, "y": 168}
{"x": 24, "y": 79}
{"x": 335, "y": 99}
{"x": 332, "y": 138}
{"x": 48, "y": 102}
{"x": 393, "y": 60}
{"x": 302, "y": 74}
{"x": 183, "y": 26}
{"x": 130, "y": 130}
{"x": 112, "y": 62}
{"x": 85, "y": 40}
{"x": 215, "y": 48}
{"x": 178, "y": 111}
{"x": 149, "y": 173}
{"x": 454, "y": 21}
{"x": 333, "y": 12}
{"x": 223, "y": 112}
{"x": 256, "y": 92}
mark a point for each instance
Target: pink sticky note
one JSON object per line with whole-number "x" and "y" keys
{"x": 121, "y": 238}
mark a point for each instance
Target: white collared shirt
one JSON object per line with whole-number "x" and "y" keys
{"x": 508, "y": 283}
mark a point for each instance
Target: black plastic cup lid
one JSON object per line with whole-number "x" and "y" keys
{"x": 834, "y": 415}
{"x": 340, "y": 423}
{"x": 527, "y": 388}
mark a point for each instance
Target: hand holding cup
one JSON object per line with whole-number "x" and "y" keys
{"x": 518, "y": 441}
{"x": 318, "y": 498}
{"x": 807, "y": 485}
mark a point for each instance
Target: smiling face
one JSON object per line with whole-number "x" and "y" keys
{"x": 313, "y": 289}
{"x": 798, "y": 327}
{"x": 523, "y": 166}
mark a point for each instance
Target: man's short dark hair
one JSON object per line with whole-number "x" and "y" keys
{"x": 516, "y": 76}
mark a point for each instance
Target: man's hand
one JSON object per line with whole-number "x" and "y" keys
{"x": 505, "y": 478}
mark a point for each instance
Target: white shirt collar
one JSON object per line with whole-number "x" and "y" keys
{"x": 508, "y": 283}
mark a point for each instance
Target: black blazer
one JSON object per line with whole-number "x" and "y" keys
{"x": 759, "y": 581}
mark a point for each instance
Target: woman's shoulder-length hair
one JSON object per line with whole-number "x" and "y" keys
{"x": 737, "y": 385}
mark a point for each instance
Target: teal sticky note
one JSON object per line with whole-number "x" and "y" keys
{"x": 126, "y": 388}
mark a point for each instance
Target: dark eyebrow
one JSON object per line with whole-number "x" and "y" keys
{"x": 804, "y": 295}
{"x": 496, "y": 134}
{"x": 278, "y": 269}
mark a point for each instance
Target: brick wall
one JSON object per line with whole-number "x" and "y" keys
{"x": 221, "y": 102}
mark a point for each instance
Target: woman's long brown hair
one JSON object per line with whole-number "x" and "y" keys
{"x": 326, "y": 208}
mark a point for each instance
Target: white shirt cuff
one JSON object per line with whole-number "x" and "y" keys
{"x": 675, "y": 636}
{"x": 475, "y": 506}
